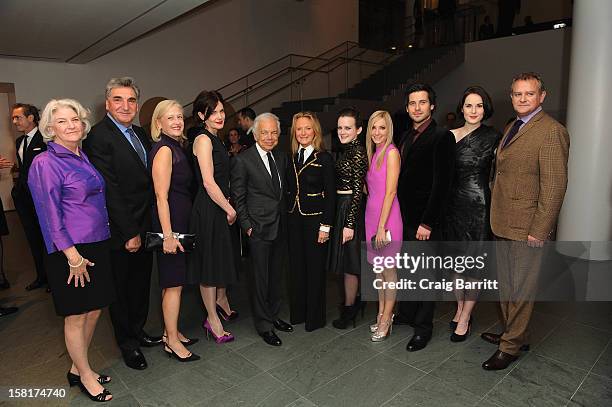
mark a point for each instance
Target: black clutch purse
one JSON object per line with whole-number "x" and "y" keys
{"x": 155, "y": 241}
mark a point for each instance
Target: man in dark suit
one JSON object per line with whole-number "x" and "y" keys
{"x": 527, "y": 194}
{"x": 428, "y": 161}
{"x": 25, "y": 119}
{"x": 118, "y": 149}
{"x": 258, "y": 187}
{"x": 246, "y": 117}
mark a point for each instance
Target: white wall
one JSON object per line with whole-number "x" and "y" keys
{"x": 492, "y": 64}
{"x": 205, "y": 50}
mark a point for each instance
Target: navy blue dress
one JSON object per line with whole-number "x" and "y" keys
{"x": 172, "y": 268}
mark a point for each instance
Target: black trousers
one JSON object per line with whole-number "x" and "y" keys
{"x": 29, "y": 220}
{"x": 132, "y": 276}
{"x": 307, "y": 274}
{"x": 420, "y": 314}
{"x": 266, "y": 265}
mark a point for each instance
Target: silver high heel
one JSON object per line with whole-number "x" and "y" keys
{"x": 378, "y": 336}
{"x": 374, "y": 327}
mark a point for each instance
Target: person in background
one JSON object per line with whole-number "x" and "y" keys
{"x": 25, "y": 119}
{"x": 213, "y": 264}
{"x": 348, "y": 229}
{"x": 68, "y": 193}
{"x": 246, "y": 120}
{"x": 383, "y": 220}
{"x": 312, "y": 194}
{"x": 234, "y": 147}
{"x": 467, "y": 213}
{"x": 171, "y": 174}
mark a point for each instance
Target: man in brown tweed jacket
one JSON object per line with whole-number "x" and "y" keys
{"x": 528, "y": 190}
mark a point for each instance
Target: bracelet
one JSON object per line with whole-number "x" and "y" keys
{"x": 76, "y": 265}
{"x": 169, "y": 235}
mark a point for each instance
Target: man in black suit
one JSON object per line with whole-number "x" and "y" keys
{"x": 258, "y": 187}
{"x": 246, "y": 117}
{"x": 25, "y": 119}
{"x": 118, "y": 149}
{"x": 428, "y": 161}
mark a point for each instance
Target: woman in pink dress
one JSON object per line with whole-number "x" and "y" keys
{"x": 383, "y": 220}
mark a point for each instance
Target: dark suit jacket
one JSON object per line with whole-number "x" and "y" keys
{"x": 311, "y": 190}
{"x": 425, "y": 177}
{"x": 129, "y": 191}
{"x": 257, "y": 205}
{"x": 36, "y": 146}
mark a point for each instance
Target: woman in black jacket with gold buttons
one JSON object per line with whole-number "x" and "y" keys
{"x": 311, "y": 198}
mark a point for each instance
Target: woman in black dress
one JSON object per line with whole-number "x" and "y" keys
{"x": 467, "y": 212}
{"x": 172, "y": 177}
{"x": 349, "y": 226}
{"x": 312, "y": 191}
{"x": 213, "y": 264}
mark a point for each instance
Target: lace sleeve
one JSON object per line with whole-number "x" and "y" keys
{"x": 359, "y": 167}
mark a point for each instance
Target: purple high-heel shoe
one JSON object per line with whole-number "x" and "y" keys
{"x": 227, "y": 337}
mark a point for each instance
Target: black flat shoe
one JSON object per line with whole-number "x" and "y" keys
{"x": 101, "y": 398}
{"x": 417, "y": 343}
{"x": 134, "y": 359}
{"x": 224, "y": 315}
{"x": 149, "y": 341}
{"x": 75, "y": 379}
{"x": 270, "y": 338}
{"x": 282, "y": 326}
{"x": 171, "y": 354}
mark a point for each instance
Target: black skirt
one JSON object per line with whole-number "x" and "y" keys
{"x": 98, "y": 293}
{"x": 346, "y": 258}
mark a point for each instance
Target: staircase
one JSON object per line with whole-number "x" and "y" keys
{"x": 382, "y": 90}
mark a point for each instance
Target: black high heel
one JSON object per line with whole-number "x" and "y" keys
{"x": 349, "y": 313}
{"x": 171, "y": 354}
{"x": 100, "y": 398}
{"x": 452, "y": 325}
{"x": 75, "y": 379}
{"x": 224, "y": 315}
{"x": 460, "y": 338}
{"x": 188, "y": 342}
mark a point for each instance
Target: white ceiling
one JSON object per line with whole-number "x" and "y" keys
{"x": 78, "y": 31}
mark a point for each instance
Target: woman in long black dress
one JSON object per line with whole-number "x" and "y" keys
{"x": 172, "y": 177}
{"x": 467, "y": 213}
{"x": 311, "y": 190}
{"x": 213, "y": 264}
{"x": 349, "y": 226}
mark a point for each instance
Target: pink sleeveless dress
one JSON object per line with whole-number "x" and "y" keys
{"x": 376, "y": 180}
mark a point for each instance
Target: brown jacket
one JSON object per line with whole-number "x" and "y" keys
{"x": 530, "y": 180}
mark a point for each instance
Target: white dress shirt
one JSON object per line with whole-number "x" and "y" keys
{"x": 27, "y": 139}
{"x": 263, "y": 154}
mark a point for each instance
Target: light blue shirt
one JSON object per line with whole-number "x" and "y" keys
{"x": 124, "y": 131}
{"x": 528, "y": 117}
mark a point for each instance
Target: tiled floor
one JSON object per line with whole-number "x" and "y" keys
{"x": 570, "y": 362}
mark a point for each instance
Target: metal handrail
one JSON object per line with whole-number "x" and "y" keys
{"x": 342, "y": 55}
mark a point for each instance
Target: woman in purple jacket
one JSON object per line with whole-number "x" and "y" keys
{"x": 68, "y": 193}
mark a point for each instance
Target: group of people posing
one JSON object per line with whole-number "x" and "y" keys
{"x": 98, "y": 190}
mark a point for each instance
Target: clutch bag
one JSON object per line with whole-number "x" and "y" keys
{"x": 155, "y": 241}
